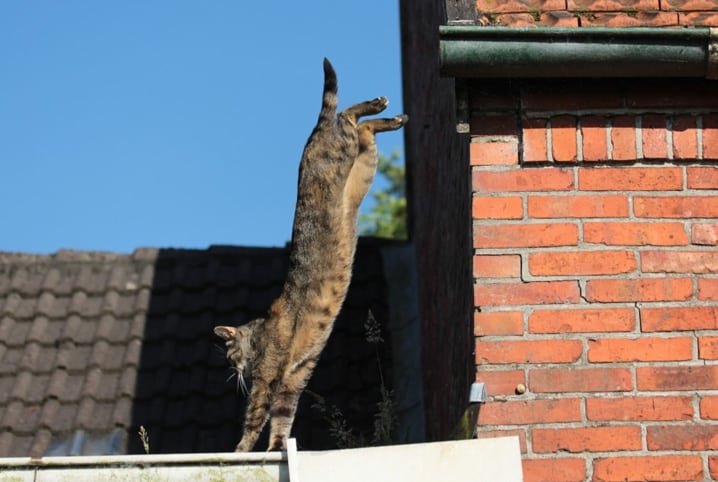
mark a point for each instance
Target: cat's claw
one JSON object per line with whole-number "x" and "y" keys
{"x": 380, "y": 103}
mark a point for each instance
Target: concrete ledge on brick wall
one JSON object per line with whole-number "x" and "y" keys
{"x": 508, "y": 52}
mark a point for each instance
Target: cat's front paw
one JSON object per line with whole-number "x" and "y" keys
{"x": 380, "y": 103}
{"x": 242, "y": 446}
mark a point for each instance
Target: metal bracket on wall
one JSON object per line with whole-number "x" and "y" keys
{"x": 466, "y": 426}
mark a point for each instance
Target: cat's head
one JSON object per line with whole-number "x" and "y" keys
{"x": 240, "y": 347}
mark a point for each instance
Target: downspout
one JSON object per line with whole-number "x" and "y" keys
{"x": 507, "y": 52}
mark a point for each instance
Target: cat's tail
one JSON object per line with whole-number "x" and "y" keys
{"x": 329, "y": 97}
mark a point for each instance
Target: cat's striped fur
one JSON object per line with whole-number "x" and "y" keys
{"x": 279, "y": 352}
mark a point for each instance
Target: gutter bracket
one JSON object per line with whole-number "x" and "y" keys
{"x": 712, "y": 58}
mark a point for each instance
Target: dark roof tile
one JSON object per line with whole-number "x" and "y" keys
{"x": 122, "y": 412}
{"x": 11, "y": 360}
{"x": 127, "y": 381}
{"x": 133, "y": 353}
{"x": 73, "y": 357}
{"x": 6, "y": 326}
{"x": 38, "y": 359}
{"x": 40, "y": 442}
{"x": 27, "y": 279}
{"x": 20, "y": 307}
{"x": 60, "y": 280}
{"x": 7, "y": 382}
{"x": 85, "y": 305}
{"x": 142, "y": 300}
{"x": 49, "y": 412}
{"x": 23, "y": 382}
{"x": 15, "y": 445}
{"x": 25, "y": 419}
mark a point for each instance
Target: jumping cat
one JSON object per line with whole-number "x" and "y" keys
{"x": 279, "y": 352}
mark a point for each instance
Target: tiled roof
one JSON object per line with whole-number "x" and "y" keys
{"x": 97, "y": 344}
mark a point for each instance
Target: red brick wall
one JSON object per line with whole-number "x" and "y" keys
{"x": 598, "y": 13}
{"x": 596, "y": 274}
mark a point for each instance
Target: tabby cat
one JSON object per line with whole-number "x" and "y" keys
{"x": 279, "y": 352}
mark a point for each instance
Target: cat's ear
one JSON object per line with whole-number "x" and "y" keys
{"x": 225, "y": 332}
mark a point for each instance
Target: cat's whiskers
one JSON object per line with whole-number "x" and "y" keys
{"x": 241, "y": 383}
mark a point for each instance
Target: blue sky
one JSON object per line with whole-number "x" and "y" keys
{"x": 173, "y": 123}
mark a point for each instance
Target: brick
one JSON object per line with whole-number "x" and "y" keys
{"x": 630, "y": 179}
{"x": 569, "y": 95}
{"x": 518, "y": 5}
{"x": 528, "y": 351}
{"x": 560, "y": 380}
{"x": 703, "y": 177}
{"x": 539, "y": 179}
{"x": 611, "y": 350}
{"x": 677, "y": 378}
{"x": 698, "y": 19}
{"x": 655, "y": 468}
{"x": 713, "y": 467}
{"x": 635, "y": 234}
{"x": 586, "y": 439}
{"x": 501, "y": 382}
{"x": 610, "y": 5}
{"x": 498, "y": 323}
{"x": 486, "y": 207}
{"x": 494, "y": 125}
{"x": 709, "y": 408}
{"x": 515, "y": 20}
{"x": 593, "y": 133}
{"x": 688, "y": 5}
{"x": 494, "y": 153}
{"x": 497, "y": 266}
{"x": 533, "y": 293}
{"x": 554, "y": 470}
{"x": 639, "y": 408}
{"x": 682, "y": 437}
{"x": 697, "y": 262}
{"x": 621, "y": 19}
{"x": 676, "y": 207}
{"x": 660, "y": 94}
{"x": 710, "y": 128}
{"x": 581, "y": 263}
{"x": 685, "y": 138}
{"x": 708, "y": 347}
{"x": 648, "y": 289}
{"x": 492, "y": 95}
{"x": 525, "y": 235}
{"x": 708, "y": 289}
{"x": 623, "y": 138}
{"x": 520, "y": 433}
{"x": 704, "y": 234}
{"x": 608, "y": 206}
{"x": 563, "y": 138}
{"x": 582, "y": 321}
{"x": 558, "y": 19}
{"x": 686, "y": 318}
{"x": 653, "y": 133}
{"x": 534, "y": 137}
{"x": 524, "y": 412}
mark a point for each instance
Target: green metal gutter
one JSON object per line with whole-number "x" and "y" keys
{"x": 508, "y": 52}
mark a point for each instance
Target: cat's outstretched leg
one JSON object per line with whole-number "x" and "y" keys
{"x": 256, "y": 415}
{"x": 369, "y": 107}
{"x": 364, "y": 168}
